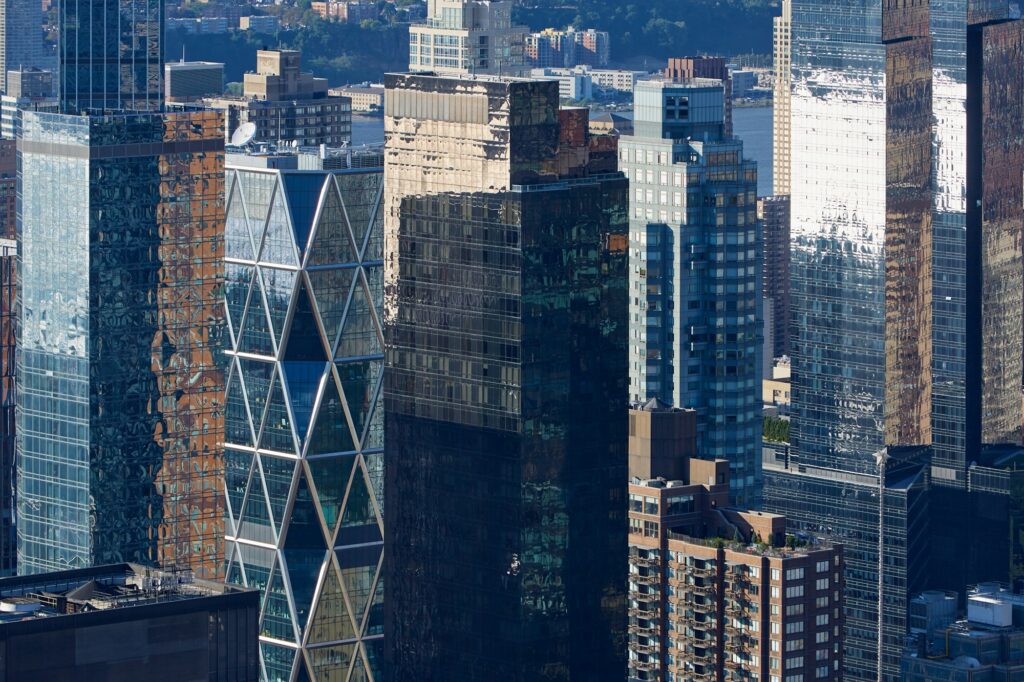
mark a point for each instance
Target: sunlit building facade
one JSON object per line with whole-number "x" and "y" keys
{"x": 304, "y": 436}
{"x": 120, "y": 405}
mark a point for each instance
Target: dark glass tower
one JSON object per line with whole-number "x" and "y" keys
{"x": 120, "y": 398}
{"x": 906, "y": 281}
{"x": 505, "y": 389}
{"x": 110, "y": 55}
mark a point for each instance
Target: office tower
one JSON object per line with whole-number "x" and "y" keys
{"x": 8, "y": 394}
{"x": 505, "y": 394}
{"x": 21, "y": 37}
{"x": 717, "y": 593}
{"x": 124, "y": 623}
{"x": 468, "y": 37}
{"x": 906, "y": 291}
{"x": 287, "y": 104}
{"x": 773, "y": 212}
{"x": 189, "y": 81}
{"x": 120, "y": 397}
{"x": 109, "y": 55}
{"x": 782, "y": 48}
{"x": 304, "y": 462}
{"x": 682, "y": 69}
{"x": 695, "y": 275}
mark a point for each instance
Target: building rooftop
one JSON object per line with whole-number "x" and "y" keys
{"x": 101, "y": 588}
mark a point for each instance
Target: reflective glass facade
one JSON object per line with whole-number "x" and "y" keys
{"x": 304, "y": 461}
{"x": 695, "y": 313}
{"x": 8, "y": 393}
{"x": 906, "y": 262}
{"x": 121, "y": 419}
{"x": 505, "y": 392}
{"x": 109, "y": 55}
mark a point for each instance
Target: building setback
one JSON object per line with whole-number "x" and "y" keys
{"x": 304, "y": 436}
{"x": 120, "y": 400}
{"x": 126, "y": 622}
{"x": 505, "y": 288}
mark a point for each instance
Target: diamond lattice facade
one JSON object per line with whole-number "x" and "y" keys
{"x": 304, "y": 462}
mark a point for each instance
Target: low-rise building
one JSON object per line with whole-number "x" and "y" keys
{"x": 574, "y": 84}
{"x": 260, "y": 24}
{"x": 346, "y": 12}
{"x": 367, "y": 98}
{"x": 127, "y": 622}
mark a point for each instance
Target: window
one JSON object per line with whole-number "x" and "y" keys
{"x": 794, "y": 662}
{"x": 794, "y": 591}
{"x": 821, "y": 566}
{"x": 795, "y": 609}
{"x": 821, "y": 584}
{"x": 795, "y": 574}
{"x": 776, "y": 574}
{"x": 821, "y": 637}
{"x": 794, "y": 645}
{"x": 822, "y": 619}
{"x": 794, "y": 626}
{"x": 821, "y": 672}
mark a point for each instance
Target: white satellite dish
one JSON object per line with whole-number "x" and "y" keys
{"x": 243, "y": 135}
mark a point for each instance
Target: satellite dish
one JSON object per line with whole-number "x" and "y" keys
{"x": 243, "y": 135}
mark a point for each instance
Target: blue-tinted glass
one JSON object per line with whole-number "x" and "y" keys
{"x": 303, "y": 192}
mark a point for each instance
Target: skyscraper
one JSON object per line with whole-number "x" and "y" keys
{"x": 468, "y": 37}
{"x": 682, "y": 69}
{"x": 774, "y": 214}
{"x": 120, "y": 399}
{"x": 304, "y": 462}
{"x": 505, "y": 395}
{"x": 109, "y": 55}
{"x": 782, "y": 49}
{"x": 695, "y": 277}
{"x": 21, "y": 37}
{"x": 906, "y": 281}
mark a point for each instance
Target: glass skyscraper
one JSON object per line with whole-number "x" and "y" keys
{"x": 695, "y": 271}
{"x": 505, "y": 393}
{"x": 304, "y": 436}
{"x": 120, "y": 399}
{"x": 906, "y": 280}
{"x": 110, "y": 56}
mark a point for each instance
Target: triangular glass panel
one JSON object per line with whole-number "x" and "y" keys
{"x": 304, "y": 549}
{"x": 374, "y": 464}
{"x": 304, "y": 380}
{"x": 358, "y": 581}
{"x": 256, "y": 376}
{"x": 256, "y": 191}
{"x": 332, "y": 243}
{"x": 237, "y": 281}
{"x": 375, "y": 656}
{"x": 277, "y": 661}
{"x": 237, "y": 465}
{"x": 358, "y": 507}
{"x": 359, "y": 382}
{"x": 278, "y": 246}
{"x": 374, "y": 249}
{"x": 330, "y": 477}
{"x": 358, "y": 671}
{"x": 303, "y": 192}
{"x": 255, "y": 336}
{"x": 331, "y": 663}
{"x": 277, "y": 426}
{"x": 255, "y": 522}
{"x": 278, "y": 472}
{"x": 256, "y": 562}
{"x": 277, "y": 619}
{"x": 359, "y": 334}
{"x": 359, "y": 192}
{"x": 375, "y": 617}
{"x": 234, "y": 575}
{"x": 332, "y": 290}
{"x": 330, "y": 429}
{"x": 304, "y": 340}
{"x": 237, "y": 238}
{"x": 331, "y": 621}
{"x": 374, "y": 436}
{"x": 278, "y": 286}
{"x": 237, "y": 429}
{"x": 301, "y": 675}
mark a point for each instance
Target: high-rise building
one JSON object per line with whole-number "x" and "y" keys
{"x": 505, "y": 394}
{"x": 682, "y": 69}
{"x": 718, "y": 593}
{"x": 8, "y": 405}
{"x": 773, "y": 212}
{"x": 782, "y": 47}
{"x": 189, "y": 81}
{"x": 126, "y": 622}
{"x": 304, "y": 461}
{"x": 120, "y": 394}
{"x": 468, "y": 37}
{"x": 906, "y": 291}
{"x": 27, "y": 90}
{"x": 695, "y": 275}
{"x": 287, "y": 104}
{"x": 21, "y": 37}
{"x": 110, "y": 55}
{"x": 556, "y": 49}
